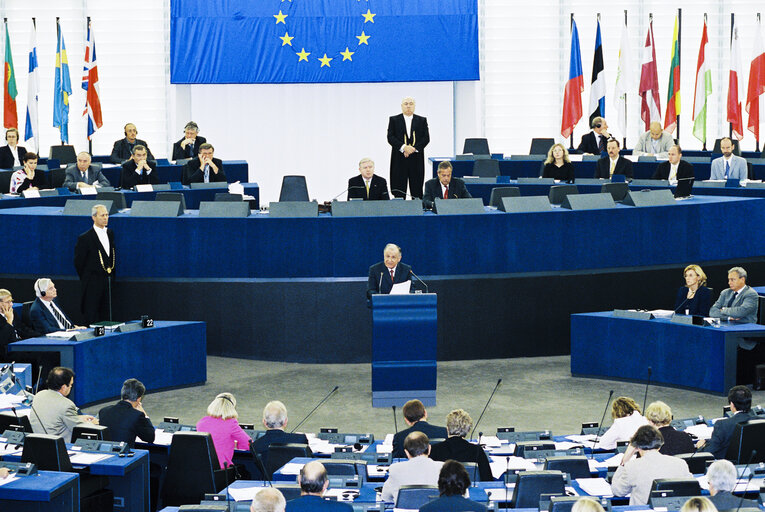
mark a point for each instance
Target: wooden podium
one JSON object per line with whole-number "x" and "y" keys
{"x": 404, "y": 349}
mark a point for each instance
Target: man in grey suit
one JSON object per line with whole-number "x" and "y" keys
{"x": 728, "y": 165}
{"x": 635, "y": 476}
{"x": 654, "y": 142}
{"x": 52, "y": 412}
{"x": 418, "y": 470}
{"x": 722, "y": 477}
{"x": 83, "y": 174}
{"x": 738, "y": 302}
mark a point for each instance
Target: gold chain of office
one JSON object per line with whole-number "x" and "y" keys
{"x": 108, "y": 270}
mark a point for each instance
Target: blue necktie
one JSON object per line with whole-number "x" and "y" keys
{"x": 207, "y": 174}
{"x": 727, "y": 169}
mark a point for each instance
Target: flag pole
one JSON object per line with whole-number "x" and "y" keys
{"x": 757, "y": 139}
{"x": 571, "y": 30}
{"x": 624, "y": 135}
{"x": 704, "y": 144}
{"x": 90, "y": 139}
{"x": 679, "y": 62}
{"x": 732, "y": 23}
{"x": 61, "y": 64}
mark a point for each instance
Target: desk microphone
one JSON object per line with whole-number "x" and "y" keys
{"x": 39, "y": 378}
{"x": 346, "y": 190}
{"x": 682, "y": 303}
{"x": 648, "y": 382}
{"x": 499, "y": 381}
{"x": 317, "y": 406}
{"x": 751, "y": 474}
{"x": 379, "y": 286}
{"x": 600, "y": 425}
{"x": 477, "y": 458}
{"x": 395, "y": 424}
{"x": 420, "y": 280}
{"x": 38, "y": 418}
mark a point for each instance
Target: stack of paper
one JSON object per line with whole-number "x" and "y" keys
{"x": 595, "y": 486}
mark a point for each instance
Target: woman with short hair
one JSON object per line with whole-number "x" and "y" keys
{"x": 221, "y": 422}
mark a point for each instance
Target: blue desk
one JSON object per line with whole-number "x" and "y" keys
{"x": 490, "y": 243}
{"x": 47, "y": 491}
{"x": 170, "y": 354}
{"x": 689, "y": 356}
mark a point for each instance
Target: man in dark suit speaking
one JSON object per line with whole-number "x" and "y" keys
{"x": 444, "y": 187}
{"x": 390, "y": 271}
{"x": 94, "y": 259}
{"x": 407, "y": 135}
{"x": 367, "y": 185}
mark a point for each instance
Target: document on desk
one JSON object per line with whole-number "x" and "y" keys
{"x": 8, "y": 449}
{"x": 87, "y": 458}
{"x": 491, "y": 441}
{"x": 500, "y": 493}
{"x": 501, "y": 464}
{"x": 61, "y": 334}
{"x": 9, "y": 479}
{"x": 244, "y": 493}
{"x": 162, "y": 438}
{"x": 341, "y": 494}
{"x": 565, "y": 445}
{"x": 595, "y": 486}
{"x": 401, "y": 288}
{"x": 582, "y": 438}
{"x": 610, "y": 462}
{"x": 700, "y": 431}
{"x": 7, "y": 401}
{"x": 662, "y": 313}
{"x": 291, "y": 468}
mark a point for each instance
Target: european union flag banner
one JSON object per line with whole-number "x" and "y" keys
{"x": 309, "y": 41}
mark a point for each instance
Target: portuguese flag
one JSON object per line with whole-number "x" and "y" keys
{"x": 10, "y": 118}
{"x": 673, "y": 93}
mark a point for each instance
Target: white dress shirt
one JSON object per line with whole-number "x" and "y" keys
{"x": 102, "y": 237}
{"x": 408, "y": 123}
{"x": 52, "y": 308}
{"x": 673, "y": 171}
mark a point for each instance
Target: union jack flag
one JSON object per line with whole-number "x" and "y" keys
{"x": 90, "y": 85}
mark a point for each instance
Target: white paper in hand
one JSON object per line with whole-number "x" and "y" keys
{"x": 401, "y": 288}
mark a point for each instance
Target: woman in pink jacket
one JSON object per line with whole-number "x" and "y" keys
{"x": 221, "y": 422}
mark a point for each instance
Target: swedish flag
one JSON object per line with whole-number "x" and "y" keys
{"x": 62, "y": 88}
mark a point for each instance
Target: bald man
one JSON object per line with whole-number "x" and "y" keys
{"x": 313, "y": 481}
{"x": 123, "y": 148}
{"x": 654, "y": 142}
{"x": 408, "y": 135}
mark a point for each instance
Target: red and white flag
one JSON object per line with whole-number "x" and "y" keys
{"x": 90, "y": 84}
{"x": 734, "y": 89}
{"x": 650, "y": 108}
{"x": 756, "y": 84}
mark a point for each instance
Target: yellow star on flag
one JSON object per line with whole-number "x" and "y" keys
{"x": 302, "y": 54}
{"x": 369, "y": 16}
{"x": 286, "y": 39}
{"x": 347, "y": 54}
{"x": 363, "y": 38}
{"x": 325, "y": 61}
{"x": 280, "y": 17}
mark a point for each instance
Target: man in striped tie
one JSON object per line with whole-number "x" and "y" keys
{"x": 47, "y": 316}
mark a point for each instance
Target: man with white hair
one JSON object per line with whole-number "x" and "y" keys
{"x": 275, "y": 421}
{"x": 408, "y": 135}
{"x": 269, "y": 499}
{"x": 390, "y": 271}
{"x": 95, "y": 261}
{"x": 722, "y": 477}
{"x": 84, "y": 174}
{"x": 45, "y": 313}
{"x": 367, "y": 185}
{"x": 654, "y": 142}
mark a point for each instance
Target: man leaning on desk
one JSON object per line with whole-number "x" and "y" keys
{"x": 52, "y": 412}
{"x": 83, "y": 174}
{"x": 126, "y": 419}
{"x": 390, "y": 271}
{"x": 738, "y": 302}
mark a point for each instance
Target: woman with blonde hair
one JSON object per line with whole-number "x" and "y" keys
{"x": 627, "y": 419}
{"x": 221, "y": 422}
{"x": 694, "y": 298}
{"x": 659, "y": 415}
{"x": 698, "y": 504}
{"x": 586, "y": 504}
{"x": 558, "y": 166}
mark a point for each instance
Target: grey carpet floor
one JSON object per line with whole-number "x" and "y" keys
{"x": 536, "y": 394}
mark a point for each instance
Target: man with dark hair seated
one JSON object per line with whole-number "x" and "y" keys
{"x": 139, "y": 169}
{"x": 635, "y": 476}
{"x": 740, "y": 401}
{"x": 416, "y": 417}
{"x": 313, "y": 483}
{"x": 126, "y": 419}
{"x": 52, "y": 412}
{"x": 418, "y": 470}
{"x": 453, "y": 481}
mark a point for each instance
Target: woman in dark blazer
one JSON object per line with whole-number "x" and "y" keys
{"x": 694, "y": 298}
{"x": 659, "y": 415}
{"x": 558, "y": 166}
{"x": 11, "y": 155}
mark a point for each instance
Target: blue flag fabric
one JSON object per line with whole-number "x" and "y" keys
{"x": 309, "y": 41}
{"x": 62, "y": 89}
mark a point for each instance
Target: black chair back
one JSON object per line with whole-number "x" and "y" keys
{"x": 476, "y": 146}
{"x": 540, "y": 146}
{"x": 57, "y": 177}
{"x": 415, "y": 496}
{"x": 280, "y": 454}
{"x": 101, "y": 432}
{"x": 531, "y": 484}
{"x": 747, "y": 436}
{"x": 5, "y": 181}
{"x": 294, "y": 188}
{"x": 486, "y": 168}
{"x": 63, "y": 153}
{"x": 7, "y": 419}
{"x": 498, "y": 193}
{"x": 192, "y": 469}
{"x": 558, "y": 192}
{"x": 678, "y": 486}
{"x": 171, "y": 196}
{"x": 761, "y": 311}
{"x": 47, "y": 452}
{"x": 697, "y": 462}
{"x": 736, "y": 148}
{"x": 116, "y": 197}
{"x": 576, "y": 465}
{"x": 617, "y": 190}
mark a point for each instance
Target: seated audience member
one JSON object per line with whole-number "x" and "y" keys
{"x": 738, "y": 302}
{"x": 458, "y": 425}
{"x": 722, "y": 477}
{"x": 740, "y": 401}
{"x": 83, "y": 174}
{"x": 52, "y": 412}
{"x": 139, "y": 170}
{"x": 8, "y": 333}
{"x": 613, "y": 163}
{"x": 594, "y": 142}
{"x": 694, "y": 298}
{"x": 188, "y": 146}
{"x": 27, "y": 178}
{"x": 45, "y": 313}
{"x": 4, "y": 472}
{"x": 367, "y": 185}
{"x": 659, "y": 415}
{"x": 126, "y": 419}
{"x": 11, "y": 155}
{"x": 382, "y": 277}
{"x": 674, "y": 168}
{"x": 627, "y": 419}
{"x": 416, "y": 417}
{"x": 444, "y": 187}
{"x": 268, "y": 499}
{"x": 419, "y": 469}
{"x": 313, "y": 481}
{"x": 204, "y": 168}
{"x": 634, "y": 476}
{"x": 698, "y": 504}
{"x": 587, "y": 504}
{"x": 654, "y": 142}
{"x": 123, "y": 148}
{"x": 221, "y": 422}
{"x": 453, "y": 483}
{"x": 558, "y": 165}
{"x": 728, "y": 165}
{"x": 275, "y": 421}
